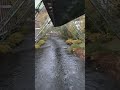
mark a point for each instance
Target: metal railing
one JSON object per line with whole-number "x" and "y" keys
{"x": 44, "y": 27}
{"x": 39, "y": 35}
{"x": 4, "y": 8}
{"x": 109, "y": 20}
{"x": 14, "y": 16}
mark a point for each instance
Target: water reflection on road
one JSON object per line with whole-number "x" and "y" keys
{"x": 58, "y": 70}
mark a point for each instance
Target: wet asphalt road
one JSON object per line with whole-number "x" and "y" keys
{"x": 58, "y": 70}
{"x": 55, "y": 69}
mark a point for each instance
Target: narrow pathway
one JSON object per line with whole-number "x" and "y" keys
{"x": 58, "y": 70}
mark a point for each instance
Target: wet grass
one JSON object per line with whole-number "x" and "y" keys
{"x": 39, "y": 44}
{"x": 11, "y": 42}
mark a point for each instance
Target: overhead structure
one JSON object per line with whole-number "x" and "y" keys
{"x": 63, "y": 11}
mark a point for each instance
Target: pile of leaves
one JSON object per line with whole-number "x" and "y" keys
{"x": 77, "y": 47}
{"x": 71, "y": 41}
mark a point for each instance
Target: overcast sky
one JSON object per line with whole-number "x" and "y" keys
{"x": 37, "y": 2}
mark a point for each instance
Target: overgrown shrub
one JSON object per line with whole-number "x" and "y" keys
{"x": 78, "y": 50}
{"x": 73, "y": 47}
{"x": 15, "y": 39}
{"x": 24, "y": 30}
{"x": 4, "y": 48}
{"x": 39, "y": 44}
{"x": 77, "y": 41}
{"x": 69, "y": 41}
